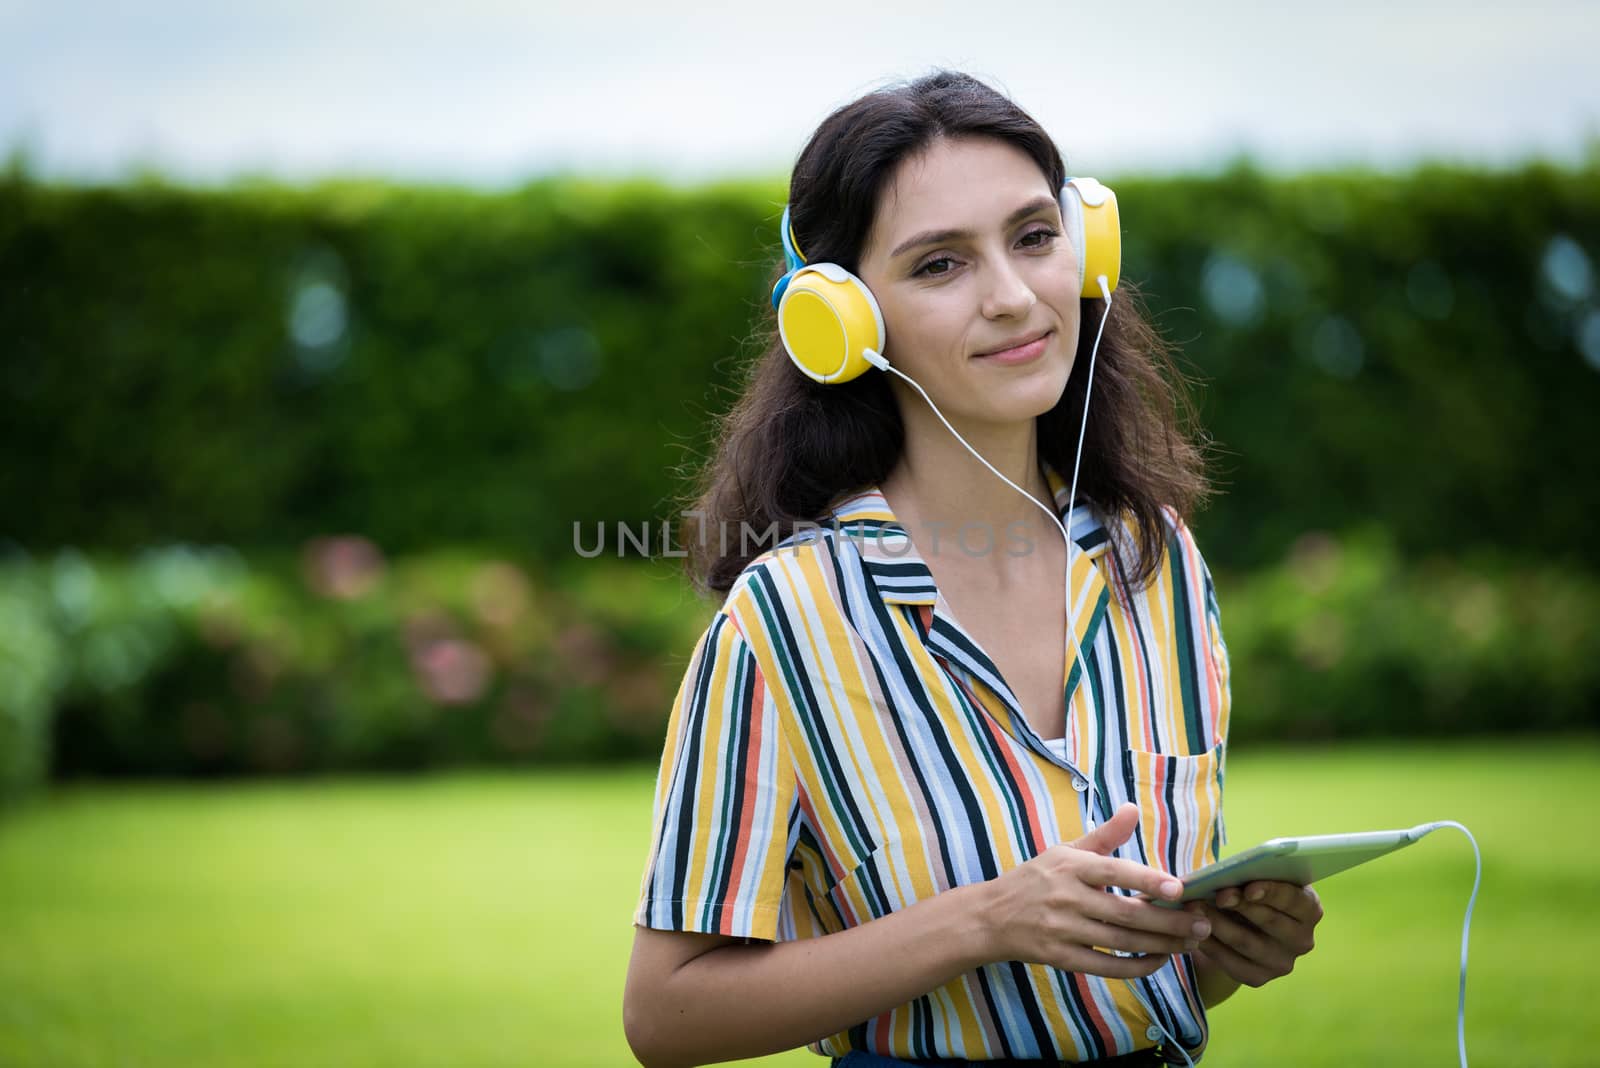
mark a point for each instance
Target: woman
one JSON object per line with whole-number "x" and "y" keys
{"x": 908, "y": 808}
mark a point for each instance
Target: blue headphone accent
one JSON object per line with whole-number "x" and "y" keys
{"x": 791, "y": 257}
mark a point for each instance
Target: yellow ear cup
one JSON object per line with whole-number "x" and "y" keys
{"x": 1089, "y": 211}
{"x": 829, "y": 321}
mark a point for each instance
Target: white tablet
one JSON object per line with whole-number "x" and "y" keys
{"x": 1301, "y": 861}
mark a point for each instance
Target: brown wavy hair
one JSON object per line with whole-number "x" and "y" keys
{"x": 790, "y": 447}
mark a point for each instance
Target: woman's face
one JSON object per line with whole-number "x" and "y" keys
{"x": 958, "y": 273}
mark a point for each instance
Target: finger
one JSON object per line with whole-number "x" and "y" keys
{"x": 1287, "y": 897}
{"x": 1280, "y": 927}
{"x": 1297, "y": 902}
{"x": 1235, "y": 964}
{"x": 1250, "y": 942}
{"x": 1140, "y": 915}
{"x": 1112, "y": 833}
{"x": 1113, "y": 871}
{"x": 1093, "y": 962}
{"x": 1103, "y": 935}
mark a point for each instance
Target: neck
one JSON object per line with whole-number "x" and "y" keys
{"x": 938, "y": 482}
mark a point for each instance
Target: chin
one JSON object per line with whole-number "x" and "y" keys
{"x": 1037, "y": 393}
{"x": 1026, "y": 402}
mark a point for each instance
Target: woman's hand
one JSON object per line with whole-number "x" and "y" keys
{"x": 1258, "y": 930}
{"x": 1054, "y": 909}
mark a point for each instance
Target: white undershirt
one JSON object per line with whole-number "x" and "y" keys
{"x": 1058, "y": 746}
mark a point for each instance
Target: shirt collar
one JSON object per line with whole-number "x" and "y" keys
{"x": 898, "y": 569}
{"x": 903, "y": 578}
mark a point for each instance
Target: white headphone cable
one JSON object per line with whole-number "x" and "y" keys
{"x": 879, "y": 362}
{"x": 1466, "y": 929}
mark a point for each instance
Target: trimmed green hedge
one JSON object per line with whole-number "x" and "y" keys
{"x": 1346, "y": 639}
{"x": 194, "y": 662}
{"x": 432, "y": 366}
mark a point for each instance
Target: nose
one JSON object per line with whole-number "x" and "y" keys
{"x": 1007, "y": 294}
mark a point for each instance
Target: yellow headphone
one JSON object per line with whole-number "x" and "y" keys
{"x": 830, "y": 322}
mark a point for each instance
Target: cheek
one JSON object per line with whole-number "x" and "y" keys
{"x": 920, "y": 330}
{"x": 1062, "y": 284}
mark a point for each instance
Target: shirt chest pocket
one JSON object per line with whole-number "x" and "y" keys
{"x": 1180, "y": 806}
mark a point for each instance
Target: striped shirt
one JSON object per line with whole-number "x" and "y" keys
{"x": 841, "y": 748}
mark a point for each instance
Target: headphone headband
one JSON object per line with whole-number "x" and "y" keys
{"x": 791, "y": 246}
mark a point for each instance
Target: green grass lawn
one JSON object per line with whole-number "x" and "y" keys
{"x": 486, "y": 920}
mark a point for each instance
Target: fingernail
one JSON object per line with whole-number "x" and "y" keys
{"x": 1172, "y": 888}
{"x": 1202, "y": 929}
{"x": 1256, "y": 894}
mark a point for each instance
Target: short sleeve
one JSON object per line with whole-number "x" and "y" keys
{"x": 725, "y": 802}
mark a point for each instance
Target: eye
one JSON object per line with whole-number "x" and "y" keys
{"x": 1044, "y": 232}
{"x": 1047, "y": 234}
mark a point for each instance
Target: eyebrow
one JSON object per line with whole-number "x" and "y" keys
{"x": 934, "y": 237}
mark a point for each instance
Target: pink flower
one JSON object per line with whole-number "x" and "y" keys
{"x": 345, "y": 567}
{"x": 451, "y": 671}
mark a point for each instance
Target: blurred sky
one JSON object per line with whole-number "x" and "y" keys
{"x": 491, "y": 92}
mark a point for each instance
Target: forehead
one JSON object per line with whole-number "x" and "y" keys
{"x": 962, "y": 184}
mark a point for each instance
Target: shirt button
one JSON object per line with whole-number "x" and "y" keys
{"x": 1153, "y": 1033}
{"x": 1079, "y": 783}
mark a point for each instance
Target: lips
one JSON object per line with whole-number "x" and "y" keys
{"x": 1015, "y": 343}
